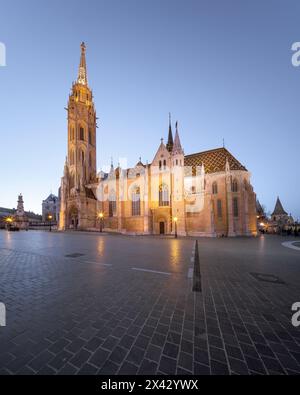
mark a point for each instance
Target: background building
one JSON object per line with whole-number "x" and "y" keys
{"x": 51, "y": 206}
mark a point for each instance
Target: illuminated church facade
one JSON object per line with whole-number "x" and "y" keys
{"x": 203, "y": 194}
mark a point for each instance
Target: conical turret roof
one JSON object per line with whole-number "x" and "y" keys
{"x": 278, "y": 210}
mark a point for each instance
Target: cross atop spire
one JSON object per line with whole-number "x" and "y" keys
{"x": 82, "y": 74}
{"x": 170, "y": 136}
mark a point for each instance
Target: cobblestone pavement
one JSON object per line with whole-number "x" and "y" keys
{"x": 126, "y": 305}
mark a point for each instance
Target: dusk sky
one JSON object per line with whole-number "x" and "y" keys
{"x": 222, "y": 68}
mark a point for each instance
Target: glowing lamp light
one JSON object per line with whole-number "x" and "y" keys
{"x": 175, "y": 219}
{"x": 262, "y": 224}
{"x": 100, "y": 215}
{"x": 9, "y": 220}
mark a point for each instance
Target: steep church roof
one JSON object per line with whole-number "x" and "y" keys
{"x": 169, "y": 144}
{"x": 214, "y": 160}
{"x": 177, "y": 149}
{"x": 278, "y": 210}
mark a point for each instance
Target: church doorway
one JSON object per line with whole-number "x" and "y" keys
{"x": 73, "y": 218}
{"x": 161, "y": 228}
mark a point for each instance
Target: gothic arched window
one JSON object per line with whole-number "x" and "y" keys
{"x": 163, "y": 197}
{"x": 112, "y": 203}
{"x": 81, "y": 156}
{"x": 81, "y": 133}
{"x": 235, "y": 203}
{"x": 165, "y": 164}
{"x": 136, "y": 201}
{"x": 214, "y": 188}
{"x": 159, "y": 163}
{"x": 234, "y": 186}
{"x": 219, "y": 208}
{"x": 90, "y": 137}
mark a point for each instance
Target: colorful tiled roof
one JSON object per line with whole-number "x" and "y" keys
{"x": 214, "y": 160}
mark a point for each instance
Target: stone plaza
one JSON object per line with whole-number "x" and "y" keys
{"x": 92, "y": 303}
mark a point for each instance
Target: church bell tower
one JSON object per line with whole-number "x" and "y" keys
{"x": 81, "y": 130}
{"x": 78, "y": 202}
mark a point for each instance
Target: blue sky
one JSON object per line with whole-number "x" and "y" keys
{"x": 222, "y": 68}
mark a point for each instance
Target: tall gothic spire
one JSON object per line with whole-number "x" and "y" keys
{"x": 170, "y": 136}
{"x": 82, "y": 74}
{"x": 177, "y": 149}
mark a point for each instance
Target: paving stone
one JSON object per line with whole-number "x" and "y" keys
{"x": 186, "y": 346}
{"x": 93, "y": 344}
{"x": 153, "y": 353}
{"x": 142, "y": 341}
{"x": 171, "y": 350}
{"x": 136, "y": 355}
{"x": 87, "y": 369}
{"x": 110, "y": 343}
{"x": 128, "y": 368}
{"x": 255, "y": 365}
{"x": 167, "y": 365}
{"x": 99, "y": 357}
{"x": 272, "y": 364}
{"x": 238, "y": 366}
{"x": 76, "y": 345}
{"x": 217, "y": 354}
{"x": 185, "y": 361}
{"x": 173, "y": 337}
{"x": 147, "y": 367}
{"x": 109, "y": 368}
{"x": 201, "y": 369}
{"x": 42, "y": 359}
{"x": 118, "y": 354}
{"x": 60, "y": 359}
{"x": 201, "y": 356}
{"x": 67, "y": 369}
{"x": 158, "y": 339}
{"x": 80, "y": 358}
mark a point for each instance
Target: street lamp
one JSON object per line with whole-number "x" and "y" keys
{"x": 175, "y": 221}
{"x": 100, "y": 216}
{"x": 49, "y": 219}
{"x": 9, "y": 221}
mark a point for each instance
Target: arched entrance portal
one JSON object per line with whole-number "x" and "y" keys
{"x": 73, "y": 218}
{"x": 162, "y": 230}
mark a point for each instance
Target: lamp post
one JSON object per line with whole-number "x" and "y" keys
{"x": 100, "y": 216}
{"x": 9, "y": 222}
{"x": 175, "y": 222}
{"x": 49, "y": 219}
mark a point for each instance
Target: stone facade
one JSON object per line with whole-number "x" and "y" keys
{"x": 204, "y": 194}
{"x": 51, "y": 206}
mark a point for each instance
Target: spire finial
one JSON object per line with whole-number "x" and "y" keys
{"x": 82, "y": 74}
